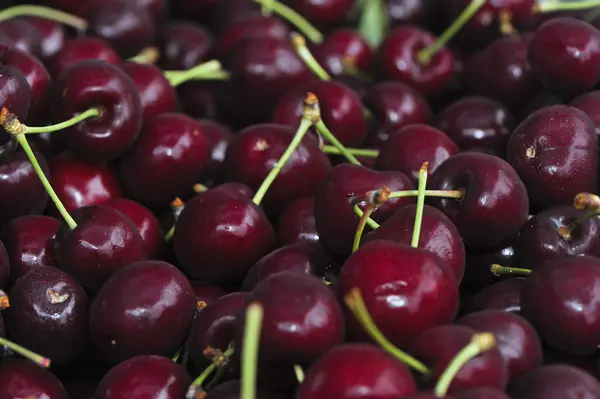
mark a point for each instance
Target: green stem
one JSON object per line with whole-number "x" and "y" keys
{"x": 170, "y": 233}
{"x": 252, "y": 331}
{"x": 90, "y": 113}
{"x": 500, "y": 270}
{"x": 211, "y": 70}
{"x": 299, "y": 373}
{"x": 359, "y": 152}
{"x": 420, "y": 205}
{"x": 324, "y": 130}
{"x": 357, "y": 305}
{"x": 424, "y": 56}
{"x": 550, "y": 6}
{"x": 26, "y": 353}
{"x": 294, "y": 18}
{"x": 304, "y": 53}
{"x": 44, "y": 12}
{"x": 361, "y": 227}
{"x": 149, "y": 55}
{"x": 370, "y": 222}
{"x": 456, "y": 194}
{"x": 210, "y": 369}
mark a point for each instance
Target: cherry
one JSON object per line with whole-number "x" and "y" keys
{"x": 408, "y": 147}
{"x": 554, "y": 382}
{"x": 144, "y": 376}
{"x": 340, "y": 373}
{"x": 154, "y": 321}
{"x": 219, "y": 136}
{"x": 477, "y": 267}
{"x": 166, "y": 161}
{"x": 504, "y": 295}
{"x": 15, "y": 93}
{"x": 296, "y": 224}
{"x": 29, "y": 242}
{"x": 344, "y": 52}
{"x": 494, "y": 205}
{"x": 22, "y": 35}
{"x": 22, "y": 379}
{"x": 82, "y": 48}
{"x": 183, "y": 45}
{"x": 516, "y": 339}
{"x": 555, "y": 161}
{"x": 103, "y": 241}
{"x": 438, "y": 235}
{"x": 404, "y": 12}
{"x": 476, "y": 122}
{"x": 565, "y": 53}
{"x": 590, "y": 104}
{"x": 158, "y": 9}
{"x": 384, "y": 271}
{"x": 220, "y": 235}
{"x": 96, "y": 84}
{"x": 4, "y": 266}
{"x": 323, "y": 13}
{"x": 48, "y": 314}
{"x": 233, "y": 389}
{"x": 482, "y": 393}
{"x": 53, "y": 36}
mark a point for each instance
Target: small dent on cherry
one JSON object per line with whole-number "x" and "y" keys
{"x": 55, "y": 297}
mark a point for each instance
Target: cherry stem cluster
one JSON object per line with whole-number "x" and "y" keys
{"x": 304, "y": 53}
{"x": 420, "y": 205}
{"x": 290, "y": 15}
{"x": 370, "y": 222}
{"x": 251, "y": 343}
{"x": 26, "y": 353}
{"x": 30, "y": 10}
{"x": 215, "y": 365}
{"x": 375, "y": 199}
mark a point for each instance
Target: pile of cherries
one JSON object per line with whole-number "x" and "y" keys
{"x": 308, "y": 199}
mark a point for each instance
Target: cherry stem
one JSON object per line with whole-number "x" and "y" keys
{"x": 26, "y": 353}
{"x": 324, "y": 130}
{"x": 90, "y": 113}
{"x": 360, "y": 152}
{"x": 361, "y": 227}
{"x": 290, "y": 15}
{"x": 149, "y": 55}
{"x": 499, "y": 270}
{"x": 370, "y": 222}
{"x": 299, "y": 373}
{"x": 304, "y": 53}
{"x": 4, "y": 300}
{"x": 552, "y": 6}
{"x": 44, "y": 12}
{"x": 211, "y": 70}
{"x": 208, "y": 371}
{"x": 176, "y": 206}
{"x": 252, "y": 331}
{"x": 566, "y": 230}
{"x": 480, "y": 342}
{"x": 357, "y": 305}
{"x": 424, "y": 56}
{"x": 420, "y": 205}
{"x": 456, "y": 194}
{"x": 311, "y": 107}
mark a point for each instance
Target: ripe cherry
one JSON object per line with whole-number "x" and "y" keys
{"x": 21, "y": 379}
{"x": 82, "y": 48}
{"x": 296, "y": 224}
{"x": 555, "y": 382}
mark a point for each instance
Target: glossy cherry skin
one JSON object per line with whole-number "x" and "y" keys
{"x": 567, "y": 316}
{"x": 296, "y": 224}
{"x": 384, "y": 271}
{"x": 438, "y": 235}
{"x": 340, "y": 373}
{"x": 82, "y": 48}
{"x": 396, "y": 59}
{"x": 219, "y": 137}
{"x": 156, "y": 93}
{"x": 394, "y": 105}
{"x": 334, "y": 215}
{"x": 494, "y": 205}
{"x": 29, "y": 242}
{"x": 477, "y": 266}
{"x": 48, "y": 314}
{"x": 437, "y": 347}
{"x": 342, "y": 47}
{"x": 555, "y": 160}
{"x": 516, "y": 339}
{"x": 183, "y": 45}
{"x": 22, "y": 35}
{"x": 408, "y": 147}
{"x": 323, "y": 13}
{"x": 220, "y": 235}
{"x": 555, "y": 382}
{"x": 565, "y": 53}
{"x": 53, "y": 35}
{"x": 96, "y": 84}
{"x": 341, "y": 110}
{"x": 15, "y": 94}
{"x": 477, "y": 122}
{"x": 166, "y": 161}
{"x": 253, "y": 152}
{"x": 590, "y": 104}
{"x": 154, "y": 321}
{"x": 147, "y": 376}
{"x": 504, "y": 295}
{"x": 23, "y": 379}
{"x": 104, "y": 241}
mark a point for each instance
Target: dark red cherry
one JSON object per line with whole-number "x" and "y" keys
{"x": 146, "y": 223}
{"x": 408, "y": 147}
{"x": 104, "y": 241}
{"x": 23, "y": 379}
{"x": 22, "y": 35}
{"x": 53, "y": 36}
{"x": 334, "y": 215}
{"x": 323, "y": 13}
{"x": 396, "y": 59}
{"x": 144, "y": 376}
{"x": 438, "y": 235}
{"x": 516, "y": 339}
{"x": 156, "y": 93}
{"x": 590, "y": 104}
{"x": 220, "y": 235}
{"x": 48, "y": 314}
{"x": 394, "y": 105}
{"x": 15, "y": 93}
{"x": 4, "y": 266}
{"x": 166, "y": 161}
{"x": 82, "y": 48}
{"x": 555, "y": 160}
{"x": 565, "y": 54}
{"x": 299, "y": 258}
{"x": 560, "y": 300}
{"x": 340, "y": 373}
{"x": 296, "y": 224}
{"x": 504, "y": 295}
{"x": 253, "y": 152}
{"x": 477, "y": 267}
{"x": 494, "y": 204}
{"x": 158, "y": 9}
{"x": 344, "y": 48}
{"x": 477, "y": 122}
{"x": 555, "y": 382}
{"x": 390, "y": 277}
{"x": 96, "y": 84}
{"x": 219, "y": 137}
{"x": 183, "y": 45}
{"x": 233, "y": 389}
{"x": 29, "y": 242}
{"x": 154, "y": 321}
{"x": 437, "y": 347}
